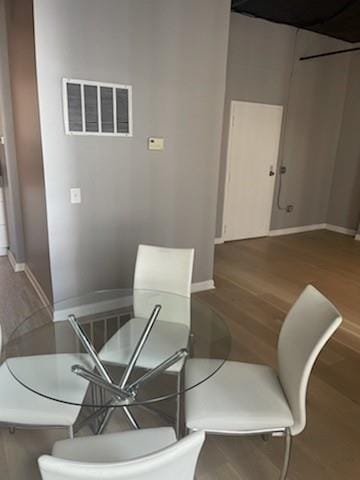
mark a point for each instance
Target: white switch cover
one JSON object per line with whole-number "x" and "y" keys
{"x": 75, "y": 195}
{"x": 155, "y": 143}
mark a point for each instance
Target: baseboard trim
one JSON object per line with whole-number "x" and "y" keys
{"x": 290, "y": 230}
{"x": 219, "y": 240}
{"x": 309, "y": 228}
{"x": 201, "y": 286}
{"x": 63, "y": 309}
{"x": 357, "y": 237}
{"x": 338, "y": 229}
{"x": 18, "y": 267}
{"x": 3, "y": 251}
{"x": 37, "y": 287}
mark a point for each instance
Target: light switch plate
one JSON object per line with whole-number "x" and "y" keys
{"x": 75, "y": 195}
{"x": 155, "y": 143}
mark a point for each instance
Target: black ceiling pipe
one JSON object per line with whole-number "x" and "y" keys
{"x": 328, "y": 54}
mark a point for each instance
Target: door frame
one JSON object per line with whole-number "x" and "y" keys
{"x": 227, "y": 166}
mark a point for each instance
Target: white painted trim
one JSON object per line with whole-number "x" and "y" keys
{"x": 290, "y": 230}
{"x": 3, "y": 251}
{"x": 336, "y": 228}
{"x": 309, "y": 228}
{"x": 219, "y": 240}
{"x": 63, "y": 309}
{"x": 357, "y": 237}
{"x": 36, "y": 285}
{"x": 227, "y": 169}
{"x": 201, "y": 286}
{"x": 18, "y": 267}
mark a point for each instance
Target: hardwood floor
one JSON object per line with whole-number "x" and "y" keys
{"x": 256, "y": 282}
{"x": 17, "y": 298}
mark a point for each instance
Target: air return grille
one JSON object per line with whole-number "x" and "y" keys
{"x": 96, "y": 108}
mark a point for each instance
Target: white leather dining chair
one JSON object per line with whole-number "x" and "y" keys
{"x": 149, "y": 454}
{"x": 22, "y": 408}
{"x": 248, "y": 399}
{"x": 162, "y": 276}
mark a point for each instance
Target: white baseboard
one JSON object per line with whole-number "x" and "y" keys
{"x": 357, "y": 237}
{"x": 63, "y": 309}
{"x": 219, "y": 240}
{"x": 201, "y": 286}
{"x": 3, "y": 251}
{"x": 92, "y": 307}
{"x": 336, "y": 228}
{"x": 304, "y": 228}
{"x": 22, "y": 267}
{"x": 18, "y": 267}
{"x": 37, "y": 287}
{"x": 309, "y": 228}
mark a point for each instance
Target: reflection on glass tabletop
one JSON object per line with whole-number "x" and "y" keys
{"x": 129, "y": 345}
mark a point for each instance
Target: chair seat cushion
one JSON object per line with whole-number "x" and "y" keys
{"x": 115, "y": 447}
{"x": 240, "y": 397}
{"x": 21, "y": 406}
{"x": 165, "y": 339}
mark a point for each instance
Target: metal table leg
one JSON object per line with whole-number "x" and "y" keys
{"x": 122, "y": 391}
{"x": 99, "y": 366}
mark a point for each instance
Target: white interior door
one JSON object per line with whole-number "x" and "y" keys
{"x": 253, "y": 150}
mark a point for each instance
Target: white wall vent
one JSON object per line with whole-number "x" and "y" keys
{"x": 96, "y": 108}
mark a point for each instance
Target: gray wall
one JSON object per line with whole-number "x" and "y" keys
{"x": 27, "y": 139}
{"x": 174, "y": 54}
{"x": 259, "y": 70}
{"x": 311, "y": 137}
{"x": 344, "y": 206}
{"x": 8, "y": 161}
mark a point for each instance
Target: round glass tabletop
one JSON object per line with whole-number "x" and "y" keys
{"x": 117, "y": 348}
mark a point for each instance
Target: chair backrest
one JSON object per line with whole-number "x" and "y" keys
{"x": 164, "y": 269}
{"x": 308, "y": 326}
{"x": 163, "y": 276}
{"x": 177, "y": 461}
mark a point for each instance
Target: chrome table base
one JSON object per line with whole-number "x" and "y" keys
{"x": 123, "y": 393}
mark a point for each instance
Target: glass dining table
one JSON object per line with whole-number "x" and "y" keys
{"x": 116, "y": 349}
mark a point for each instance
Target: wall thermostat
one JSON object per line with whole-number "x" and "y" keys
{"x": 155, "y": 143}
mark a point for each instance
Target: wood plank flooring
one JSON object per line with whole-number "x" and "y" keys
{"x": 17, "y": 298}
{"x": 256, "y": 282}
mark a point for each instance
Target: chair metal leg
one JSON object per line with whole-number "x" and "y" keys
{"x": 12, "y": 430}
{"x": 178, "y": 406}
{"x": 287, "y": 452}
{"x": 71, "y": 432}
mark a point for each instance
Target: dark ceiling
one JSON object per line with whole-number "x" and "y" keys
{"x": 335, "y": 18}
